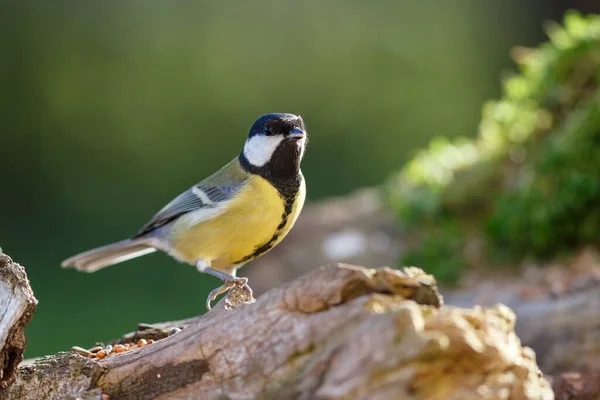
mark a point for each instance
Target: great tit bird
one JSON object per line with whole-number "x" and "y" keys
{"x": 230, "y": 218}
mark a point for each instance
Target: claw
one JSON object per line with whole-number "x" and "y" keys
{"x": 234, "y": 298}
{"x": 216, "y": 292}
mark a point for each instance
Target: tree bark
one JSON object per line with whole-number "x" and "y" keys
{"x": 340, "y": 332}
{"x": 557, "y": 310}
{"x": 17, "y": 305}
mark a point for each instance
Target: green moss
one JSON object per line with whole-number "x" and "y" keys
{"x": 529, "y": 184}
{"x": 440, "y": 251}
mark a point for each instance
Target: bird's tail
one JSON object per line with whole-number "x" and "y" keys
{"x": 95, "y": 259}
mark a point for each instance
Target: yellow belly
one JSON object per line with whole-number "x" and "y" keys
{"x": 247, "y": 223}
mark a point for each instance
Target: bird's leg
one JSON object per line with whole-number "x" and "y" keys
{"x": 243, "y": 294}
{"x": 239, "y": 291}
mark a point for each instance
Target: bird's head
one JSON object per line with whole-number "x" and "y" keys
{"x": 276, "y": 144}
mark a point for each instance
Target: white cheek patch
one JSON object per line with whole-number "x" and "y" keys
{"x": 259, "y": 149}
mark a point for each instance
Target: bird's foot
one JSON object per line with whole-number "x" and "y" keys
{"x": 239, "y": 293}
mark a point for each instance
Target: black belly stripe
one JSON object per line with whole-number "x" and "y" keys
{"x": 289, "y": 199}
{"x": 287, "y": 181}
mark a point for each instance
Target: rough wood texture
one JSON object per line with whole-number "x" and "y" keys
{"x": 95, "y": 394}
{"x": 53, "y": 377}
{"x": 557, "y": 310}
{"x": 17, "y": 305}
{"x": 340, "y": 332}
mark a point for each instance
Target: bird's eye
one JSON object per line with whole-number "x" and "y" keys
{"x": 268, "y": 130}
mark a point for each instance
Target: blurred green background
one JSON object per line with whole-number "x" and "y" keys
{"x": 109, "y": 109}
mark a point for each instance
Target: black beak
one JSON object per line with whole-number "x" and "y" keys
{"x": 297, "y": 133}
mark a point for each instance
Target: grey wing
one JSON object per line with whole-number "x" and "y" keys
{"x": 197, "y": 197}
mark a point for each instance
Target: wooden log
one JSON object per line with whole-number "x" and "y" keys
{"x": 17, "y": 305}
{"x": 557, "y": 309}
{"x": 339, "y": 332}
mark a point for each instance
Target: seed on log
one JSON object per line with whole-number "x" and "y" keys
{"x": 119, "y": 348}
{"x": 174, "y": 331}
{"x": 80, "y": 350}
{"x": 96, "y": 349}
{"x": 101, "y": 354}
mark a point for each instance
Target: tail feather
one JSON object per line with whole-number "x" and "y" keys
{"x": 95, "y": 259}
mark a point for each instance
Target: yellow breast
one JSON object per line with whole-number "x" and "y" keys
{"x": 249, "y": 225}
